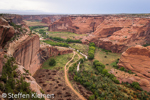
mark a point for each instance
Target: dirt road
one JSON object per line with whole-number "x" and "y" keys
{"x": 67, "y": 81}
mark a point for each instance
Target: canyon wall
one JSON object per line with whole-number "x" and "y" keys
{"x": 137, "y": 60}
{"x": 27, "y": 53}
{"x": 46, "y": 20}
{"x": 119, "y": 33}
{"x": 6, "y": 32}
{"x": 79, "y": 25}
{"x": 40, "y": 17}
{"x": 17, "y": 19}
{"x": 111, "y": 32}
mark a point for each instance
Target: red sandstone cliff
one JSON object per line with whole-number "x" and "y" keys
{"x": 137, "y": 60}
{"x": 17, "y": 19}
{"x": 6, "y": 32}
{"x": 119, "y": 33}
{"x": 28, "y": 53}
{"x": 79, "y": 25}
{"x": 46, "y": 20}
{"x": 40, "y": 17}
{"x": 112, "y": 32}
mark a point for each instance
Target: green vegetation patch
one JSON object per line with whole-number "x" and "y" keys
{"x": 81, "y": 47}
{"x": 91, "y": 51}
{"x": 105, "y": 86}
{"x": 56, "y": 43}
{"x": 61, "y": 61}
{"x": 107, "y": 58}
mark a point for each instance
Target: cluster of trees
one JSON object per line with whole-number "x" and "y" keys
{"x": 100, "y": 67}
{"x": 106, "y": 50}
{"x": 91, "y": 51}
{"x": 102, "y": 85}
{"x": 64, "y": 40}
{"x": 10, "y": 83}
{"x": 56, "y": 43}
{"x": 35, "y": 27}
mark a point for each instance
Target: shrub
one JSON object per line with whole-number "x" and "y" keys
{"x": 95, "y": 62}
{"x": 136, "y": 85}
{"x": 92, "y": 97}
{"x": 52, "y": 62}
{"x": 91, "y": 51}
{"x": 81, "y": 60}
{"x": 100, "y": 64}
{"x": 122, "y": 68}
{"x": 105, "y": 71}
{"x": 1, "y": 86}
{"x": 116, "y": 81}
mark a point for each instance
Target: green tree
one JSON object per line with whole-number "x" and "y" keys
{"x": 52, "y": 62}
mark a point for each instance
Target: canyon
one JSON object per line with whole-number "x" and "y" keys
{"x": 111, "y": 32}
{"x": 117, "y": 33}
{"x": 40, "y": 17}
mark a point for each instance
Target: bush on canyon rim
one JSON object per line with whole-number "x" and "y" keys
{"x": 52, "y": 62}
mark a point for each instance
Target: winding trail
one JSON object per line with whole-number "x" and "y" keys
{"x": 67, "y": 81}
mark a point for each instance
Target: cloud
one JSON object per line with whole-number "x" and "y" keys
{"x": 78, "y": 6}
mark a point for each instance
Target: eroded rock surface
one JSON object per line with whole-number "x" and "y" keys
{"x": 76, "y": 24}
{"x": 46, "y": 20}
{"x": 137, "y": 60}
{"x": 115, "y": 33}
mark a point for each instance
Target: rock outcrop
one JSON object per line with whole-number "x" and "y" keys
{"x": 40, "y": 17}
{"x": 46, "y": 20}
{"x": 27, "y": 53}
{"x": 112, "y": 32}
{"x": 77, "y": 24}
{"x": 50, "y": 51}
{"x": 6, "y": 31}
{"x": 130, "y": 78}
{"x": 137, "y": 60}
{"x": 29, "y": 79}
{"x": 119, "y": 33}
{"x": 17, "y": 19}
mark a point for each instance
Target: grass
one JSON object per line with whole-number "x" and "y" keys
{"x": 64, "y": 35}
{"x": 106, "y": 59}
{"x": 88, "y": 66}
{"x": 34, "y": 23}
{"x": 81, "y": 47}
{"x": 60, "y": 61}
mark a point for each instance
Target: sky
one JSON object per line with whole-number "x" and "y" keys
{"x": 74, "y": 6}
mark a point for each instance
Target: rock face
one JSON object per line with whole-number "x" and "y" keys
{"x": 77, "y": 24}
{"x": 137, "y": 60}
{"x": 6, "y": 31}
{"x": 130, "y": 78}
{"x": 29, "y": 79}
{"x": 27, "y": 53}
{"x": 50, "y": 51}
{"x": 17, "y": 19}
{"x": 119, "y": 33}
{"x": 112, "y": 32}
{"x": 40, "y": 17}
{"x": 46, "y": 20}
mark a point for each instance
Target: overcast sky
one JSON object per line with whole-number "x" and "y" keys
{"x": 74, "y": 6}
